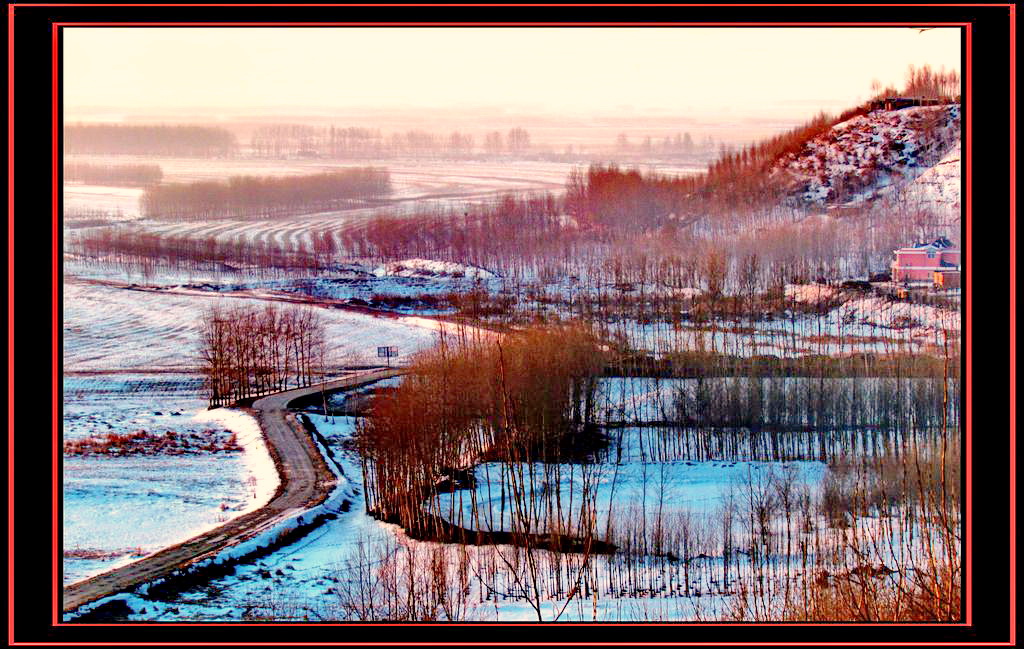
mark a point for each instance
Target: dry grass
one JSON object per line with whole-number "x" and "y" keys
{"x": 141, "y": 442}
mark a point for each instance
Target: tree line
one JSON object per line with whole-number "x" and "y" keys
{"x": 260, "y": 197}
{"x": 118, "y": 175}
{"x": 136, "y": 251}
{"x": 162, "y": 139}
{"x": 531, "y": 239}
{"x": 248, "y": 351}
{"x": 306, "y": 141}
{"x": 529, "y": 398}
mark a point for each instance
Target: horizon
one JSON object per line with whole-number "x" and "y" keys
{"x": 224, "y": 73}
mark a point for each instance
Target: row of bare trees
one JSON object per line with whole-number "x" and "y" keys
{"x": 927, "y": 83}
{"x": 247, "y": 350}
{"x": 303, "y": 140}
{"x": 252, "y": 196}
{"x": 528, "y": 398}
{"x": 126, "y": 175}
{"x": 139, "y": 252}
{"x": 159, "y": 139}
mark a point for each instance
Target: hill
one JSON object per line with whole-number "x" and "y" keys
{"x": 871, "y": 155}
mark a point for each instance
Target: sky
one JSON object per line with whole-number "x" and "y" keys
{"x": 755, "y": 72}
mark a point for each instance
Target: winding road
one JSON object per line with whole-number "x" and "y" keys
{"x": 306, "y": 481}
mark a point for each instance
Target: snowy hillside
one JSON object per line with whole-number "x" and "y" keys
{"x": 863, "y": 157}
{"x": 937, "y": 189}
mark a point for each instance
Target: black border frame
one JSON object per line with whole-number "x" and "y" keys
{"x": 31, "y": 305}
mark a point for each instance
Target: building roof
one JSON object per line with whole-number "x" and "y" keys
{"x": 941, "y": 242}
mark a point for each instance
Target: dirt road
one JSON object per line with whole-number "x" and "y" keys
{"x": 305, "y": 482}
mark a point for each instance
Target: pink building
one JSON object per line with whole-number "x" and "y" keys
{"x": 920, "y": 262}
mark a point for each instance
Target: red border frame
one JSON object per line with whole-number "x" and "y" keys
{"x": 56, "y": 295}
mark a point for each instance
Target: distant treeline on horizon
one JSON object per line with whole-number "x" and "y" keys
{"x": 296, "y": 140}
{"x": 163, "y": 139}
{"x": 118, "y": 175}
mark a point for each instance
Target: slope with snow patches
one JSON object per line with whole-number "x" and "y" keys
{"x": 937, "y": 189}
{"x": 856, "y": 159}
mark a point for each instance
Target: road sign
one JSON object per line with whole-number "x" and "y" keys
{"x": 387, "y": 352}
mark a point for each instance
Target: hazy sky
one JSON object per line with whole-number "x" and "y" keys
{"x": 697, "y": 71}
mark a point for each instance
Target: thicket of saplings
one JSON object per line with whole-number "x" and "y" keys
{"x": 78, "y": 218}
{"x": 878, "y": 540}
{"x": 528, "y": 241}
{"x": 248, "y": 351}
{"x": 129, "y": 175}
{"x": 528, "y": 398}
{"x": 261, "y": 197}
{"x": 785, "y": 419}
{"x": 138, "y": 251}
{"x": 158, "y": 139}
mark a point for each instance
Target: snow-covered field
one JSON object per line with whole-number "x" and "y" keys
{"x": 416, "y": 183}
{"x": 122, "y": 202}
{"x": 117, "y": 508}
{"x": 109, "y": 327}
{"x": 129, "y": 358}
{"x": 401, "y": 285}
{"x": 419, "y": 179}
{"x": 429, "y": 268}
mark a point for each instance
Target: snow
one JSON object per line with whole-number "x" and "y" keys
{"x": 810, "y": 293}
{"x": 117, "y": 203}
{"x": 855, "y": 159}
{"x": 620, "y": 490}
{"x": 261, "y": 473}
{"x": 126, "y": 507}
{"x": 938, "y": 189}
{"x": 926, "y": 320}
{"x": 430, "y": 268}
{"x": 108, "y": 327}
